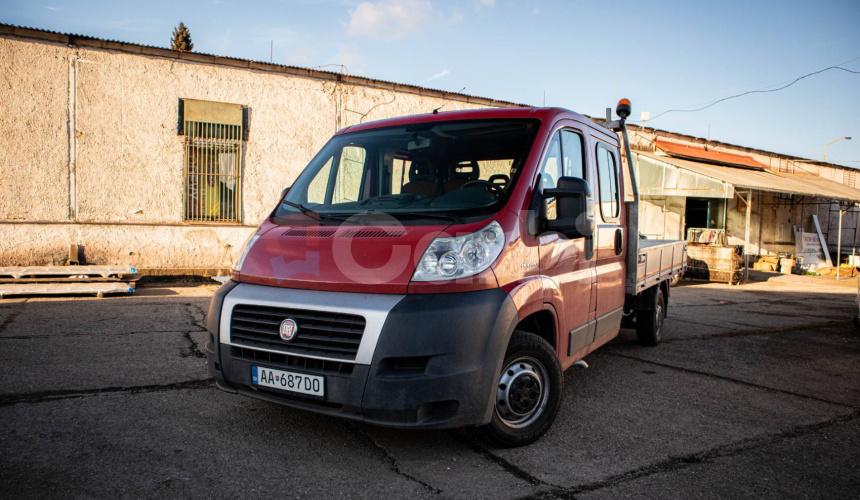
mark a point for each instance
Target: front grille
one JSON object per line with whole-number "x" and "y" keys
{"x": 285, "y": 361}
{"x": 325, "y": 334}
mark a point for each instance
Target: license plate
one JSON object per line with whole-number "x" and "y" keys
{"x": 312, "y": 385}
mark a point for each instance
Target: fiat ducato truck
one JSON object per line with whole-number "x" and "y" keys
{"x": 444, "y": 270}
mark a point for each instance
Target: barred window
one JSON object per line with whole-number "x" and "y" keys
{"x": 212, "y": 172}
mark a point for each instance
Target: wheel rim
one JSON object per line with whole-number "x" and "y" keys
{"x": 658, "y": 320}
{"x": 522, "y": 393}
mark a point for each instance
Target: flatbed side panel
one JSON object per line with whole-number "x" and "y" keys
{"x": 658, "y": 260}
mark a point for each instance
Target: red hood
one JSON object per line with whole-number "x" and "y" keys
{"x": 339, "y": 258}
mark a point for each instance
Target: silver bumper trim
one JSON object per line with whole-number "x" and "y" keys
{"x": 374, "y": 307}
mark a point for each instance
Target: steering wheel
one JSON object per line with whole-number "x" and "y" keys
{"x": 494, "y": 189}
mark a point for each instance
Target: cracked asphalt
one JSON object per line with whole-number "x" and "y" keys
{"x": 755, "y": 392}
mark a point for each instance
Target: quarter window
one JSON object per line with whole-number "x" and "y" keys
{"x": 552, "y": 161}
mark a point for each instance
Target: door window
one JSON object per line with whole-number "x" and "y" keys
{"x": 571, "y": 150}
{"x": 563, "y": 158}
{"x": 607, "y": 173}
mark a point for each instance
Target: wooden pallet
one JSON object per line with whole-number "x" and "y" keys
{"x": 66, "y": 280}
{"x": 97, "y": 289}
{"x": 18, "y": 272}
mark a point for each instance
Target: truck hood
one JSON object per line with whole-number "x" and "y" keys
{"x": 345, "y": 258}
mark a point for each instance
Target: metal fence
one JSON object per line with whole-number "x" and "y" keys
{"x": 213, "y": 172}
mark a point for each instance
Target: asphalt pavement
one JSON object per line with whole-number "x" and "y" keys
{"x": 755, "y": 392}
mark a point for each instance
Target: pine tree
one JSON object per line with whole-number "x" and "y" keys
{"x": 181, "y": 39}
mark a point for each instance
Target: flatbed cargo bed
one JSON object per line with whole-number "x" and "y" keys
{"x": 659, "y": 260}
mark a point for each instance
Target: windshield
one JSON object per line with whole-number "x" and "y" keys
{"x": 455, "y": 169}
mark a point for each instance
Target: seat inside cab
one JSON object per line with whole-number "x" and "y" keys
{"x": 421, "y": 177}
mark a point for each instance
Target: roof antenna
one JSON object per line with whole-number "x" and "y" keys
{"x": 436, "y": 111}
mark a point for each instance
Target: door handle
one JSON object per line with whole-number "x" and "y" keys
{"x": 619, "y": 241}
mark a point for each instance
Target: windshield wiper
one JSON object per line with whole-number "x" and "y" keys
{"x": 305, "y": 210}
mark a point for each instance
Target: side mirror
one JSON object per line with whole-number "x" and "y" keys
{"x": 574, "y": 208}
{"x": 285, "y": 191}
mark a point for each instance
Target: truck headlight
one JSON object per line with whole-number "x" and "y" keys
{"x": 237, "y": 266}
{"x": 461, "y": 256}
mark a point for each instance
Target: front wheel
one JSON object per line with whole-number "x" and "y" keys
{"x": 528, "y": 394}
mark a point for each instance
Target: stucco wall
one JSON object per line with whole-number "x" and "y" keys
{"x": 34, "y": 145}
{"x": 126, "y": 205}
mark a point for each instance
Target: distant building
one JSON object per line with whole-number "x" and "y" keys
{"x": 687, "y": 182}
{"x": 167, "y": 160}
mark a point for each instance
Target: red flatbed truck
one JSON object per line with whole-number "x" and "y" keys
{"x": 443, "y": 270}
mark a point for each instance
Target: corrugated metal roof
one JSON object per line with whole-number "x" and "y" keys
{"x": 706, "y": 155}
{"x": 744, "y": 178}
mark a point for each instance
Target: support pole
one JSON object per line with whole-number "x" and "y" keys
{"x": 839, "y": 245}
{"x": 748, "y": 202}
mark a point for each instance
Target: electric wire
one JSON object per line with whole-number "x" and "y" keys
{"x": 759, "y": 91}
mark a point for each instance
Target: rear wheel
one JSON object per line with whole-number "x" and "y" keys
{"x": 649, "y": 323}
{"x": 528, "y": 394}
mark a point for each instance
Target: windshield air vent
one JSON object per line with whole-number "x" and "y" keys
{"x": 367, "y": 233}
{"x": 310, "y": 232}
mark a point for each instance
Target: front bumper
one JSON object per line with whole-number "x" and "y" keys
{"x": 433, "y": 362}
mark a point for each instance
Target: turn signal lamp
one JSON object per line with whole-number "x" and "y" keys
{"x": 237, "y": 266}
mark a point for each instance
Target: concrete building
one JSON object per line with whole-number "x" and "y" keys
{"x": 167, "y": 160}
{"x": 93, "y": 150}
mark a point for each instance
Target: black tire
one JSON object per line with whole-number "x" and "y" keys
{"x": 528, "y": 395}
{"x": 649, "y": 323}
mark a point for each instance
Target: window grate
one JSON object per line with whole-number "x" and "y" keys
{"x": 212, "y": 172}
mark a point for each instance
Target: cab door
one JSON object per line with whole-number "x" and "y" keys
{"x": 568, "y": 263}
{"x": 609, "y": 241}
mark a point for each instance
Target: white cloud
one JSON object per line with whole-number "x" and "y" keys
{"x": 438, "y": 75}
{"x": 389, "y": 19}
{"x": 487, "y": 3}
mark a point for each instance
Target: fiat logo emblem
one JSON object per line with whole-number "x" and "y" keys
{"x": 288, "y": 329}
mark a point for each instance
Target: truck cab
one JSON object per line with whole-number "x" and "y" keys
{"x": 442, "y": 270}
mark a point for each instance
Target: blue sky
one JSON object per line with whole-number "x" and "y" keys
{"x": 583, "y": 55}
